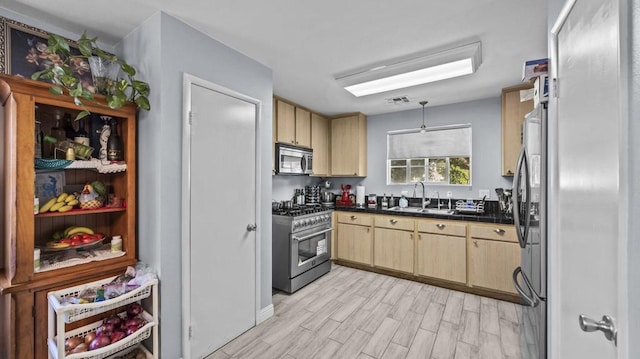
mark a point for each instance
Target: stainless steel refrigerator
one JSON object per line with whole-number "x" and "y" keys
{"x": 529, "y": 212}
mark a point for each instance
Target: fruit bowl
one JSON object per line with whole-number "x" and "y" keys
{"x": 93, "y": 204}
{"x": 57, "y": 245}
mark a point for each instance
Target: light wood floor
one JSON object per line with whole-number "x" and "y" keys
{"x": 349, "y": 313}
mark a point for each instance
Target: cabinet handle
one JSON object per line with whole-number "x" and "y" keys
{"x": 368, "y": 229}
{"x": 419, "y": 236}
{"x": 499, "y": 230}
{"x": 353, "y": 218}
{"x": 440, "y": 225}
{"x": 355, "y": 173}
{"x": 393, "y": 221}
{"x": 475, "y": 243}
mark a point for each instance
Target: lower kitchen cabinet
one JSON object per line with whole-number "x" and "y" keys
{"x": 393, "y": 249}
{"x": 441, "y": 250}
{"x": 462, "y": 255}
{"x": 491, "y": 264}
{"x": 355, "y": 243}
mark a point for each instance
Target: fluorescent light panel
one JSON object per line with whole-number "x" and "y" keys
{"x": 413, "y": 71}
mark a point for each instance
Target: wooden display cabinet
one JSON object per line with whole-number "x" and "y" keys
{"x": 23, "y": 231}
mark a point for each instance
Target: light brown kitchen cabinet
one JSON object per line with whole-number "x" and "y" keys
{"x": 21, "y": 285}
{"x": 349, "y": 146}
{"x": 303, "y": 127}
{"x": 393, "y": 240}
{"x": 285, "y": 122}
{"x": 513, "y": 112}
{"x": 493, "y": 255}
{"x": 355, "y": 238}
{"x": 293, "y": 124}
{"x": 321, "y": 144}
{"x": 441, "y": 250}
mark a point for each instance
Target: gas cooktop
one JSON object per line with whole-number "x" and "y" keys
{"x": 300, "y": 211}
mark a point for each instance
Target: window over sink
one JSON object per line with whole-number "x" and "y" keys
{"x": 439, "y": 155}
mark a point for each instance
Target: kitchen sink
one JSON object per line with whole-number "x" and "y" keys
{"x": 421, "y": 210}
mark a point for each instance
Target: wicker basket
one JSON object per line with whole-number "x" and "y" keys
{"x": 93, "y": 204}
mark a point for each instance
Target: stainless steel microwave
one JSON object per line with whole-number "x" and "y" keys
{"x": 293, "y": 160}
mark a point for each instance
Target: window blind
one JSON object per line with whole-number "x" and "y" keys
{"x": 449, "y": 141}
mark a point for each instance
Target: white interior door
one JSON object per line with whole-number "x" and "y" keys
{"x": 222, "y": 192}
{"x": 589, "y": 188}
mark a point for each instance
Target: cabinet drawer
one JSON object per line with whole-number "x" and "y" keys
{"x": 498, "y": 232}
{"x": 355, "y": 218}
{"x": 442, "y": 227}
{"x": 393, "y": 222}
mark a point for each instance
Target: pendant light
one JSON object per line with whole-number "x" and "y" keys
{"x": 423, "y": 128}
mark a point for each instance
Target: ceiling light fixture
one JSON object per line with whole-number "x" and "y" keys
{"x": 423, "y": 128}
{"x": 412, "y": 70}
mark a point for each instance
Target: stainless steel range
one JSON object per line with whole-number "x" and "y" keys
{"x": 301, "y": 246}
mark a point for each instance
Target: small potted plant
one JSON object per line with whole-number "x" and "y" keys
{"x": 105, "y": 69}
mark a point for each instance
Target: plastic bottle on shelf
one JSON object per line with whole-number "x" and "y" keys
{"x": 116, "y": 244}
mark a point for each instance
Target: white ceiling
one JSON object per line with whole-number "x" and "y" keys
{"x": 307, "y": 42}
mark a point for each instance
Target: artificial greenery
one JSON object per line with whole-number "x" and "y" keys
{"x": 62, "y": 67}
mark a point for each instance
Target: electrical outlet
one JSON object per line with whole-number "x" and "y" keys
{"x": 484, "y": 192}
{"x": 449, "y": 194}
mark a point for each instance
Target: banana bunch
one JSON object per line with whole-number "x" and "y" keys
{"x": 71, "y": 230}
{"x": 74, "y": 236}
{"x": 63, "y": 203}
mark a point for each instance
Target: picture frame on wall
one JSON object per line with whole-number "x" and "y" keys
{"x": 22, "y": 50}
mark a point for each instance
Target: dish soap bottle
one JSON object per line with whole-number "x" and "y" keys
{"x": 403, "y": 202}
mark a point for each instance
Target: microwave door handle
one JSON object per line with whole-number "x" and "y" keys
{"x": 531, "y": 300}
{"x": 303, "y": 163}
{"x": 514, "y": 199}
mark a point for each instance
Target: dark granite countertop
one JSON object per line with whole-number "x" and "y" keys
{"x": 487, "y": 217}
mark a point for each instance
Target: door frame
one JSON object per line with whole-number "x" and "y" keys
{"x": 554, "y": 252}
{"x": 188, "y": 81}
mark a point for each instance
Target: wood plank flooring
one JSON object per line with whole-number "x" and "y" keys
{"x": 354, "y": 314}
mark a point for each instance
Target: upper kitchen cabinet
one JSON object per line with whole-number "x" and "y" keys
{"x": 349, "y": 145}
{"x": 321, "y": 144}
{"x": 303, "y": 127}
{"x": 513, "y": 112}
{"x": 293, "y": 124}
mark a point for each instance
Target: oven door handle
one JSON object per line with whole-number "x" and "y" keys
{"x": 312, "y": 235}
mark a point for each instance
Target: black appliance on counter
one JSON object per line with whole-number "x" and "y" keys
{"x": 301, "y": 246}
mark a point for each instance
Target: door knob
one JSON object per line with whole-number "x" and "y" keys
{"x": 607, "y": 326}
{"x": 251, "y": 227}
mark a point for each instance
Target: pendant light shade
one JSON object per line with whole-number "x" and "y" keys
{"x": 423, "y": 128}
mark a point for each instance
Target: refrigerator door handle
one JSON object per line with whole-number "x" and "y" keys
{"x": 522, "y": 233}
{"x": 531, "y": 299}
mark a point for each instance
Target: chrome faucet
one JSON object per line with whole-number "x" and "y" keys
{"x": 425, "y": 201}
{"x": 438, "y": 193}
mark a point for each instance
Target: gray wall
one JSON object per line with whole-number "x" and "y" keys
{"x": 485, "y": 119}
{"x": 165, "y": 48}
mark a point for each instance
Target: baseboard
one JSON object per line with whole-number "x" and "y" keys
{"x": 264, "y": 314}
